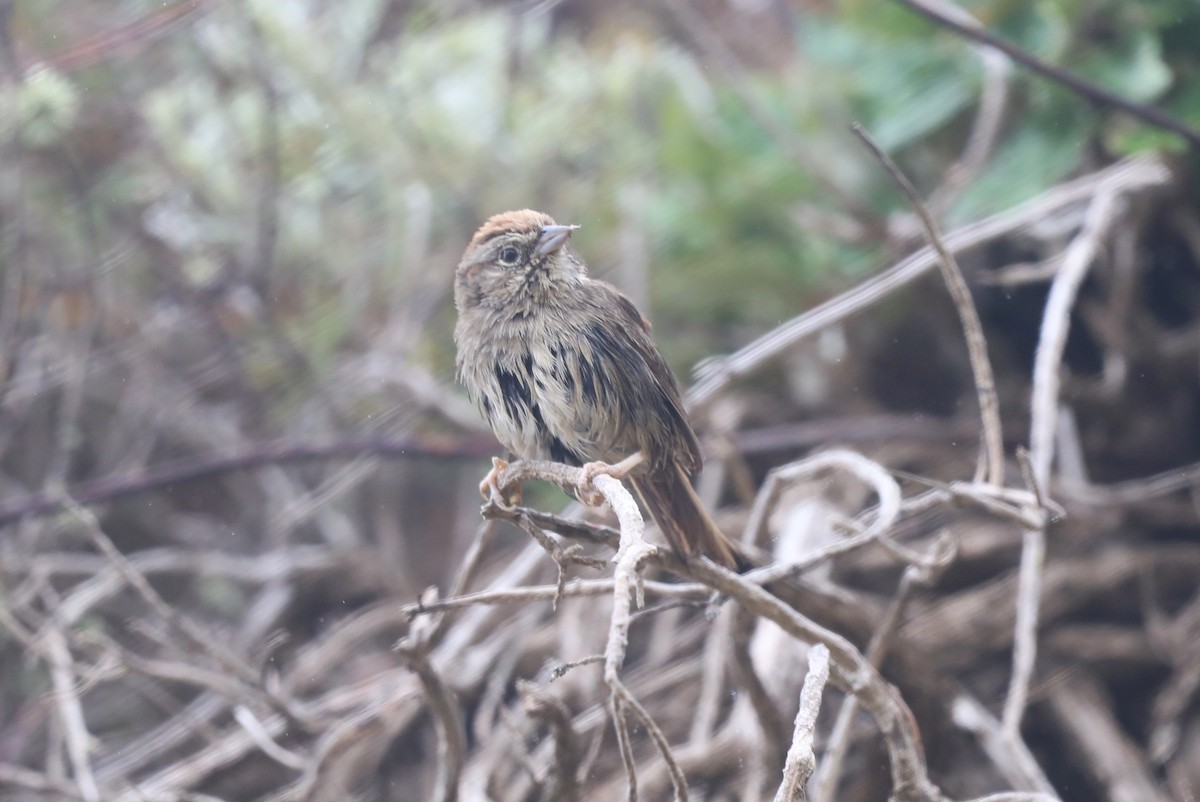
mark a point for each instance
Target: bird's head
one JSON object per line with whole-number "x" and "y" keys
{"x": 514, "y": 260}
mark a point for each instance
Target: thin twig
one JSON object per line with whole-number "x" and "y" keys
{"x": 70, "y": 709}
{"x": 451, "y": 738}
{"x": 1033, "y": 555}
{"x": 1018, "y": 796}
{"x": 567, "y": 753}
{"x": 534, "y": 593}
{"x": 621, "y": 728}
{"x": 563, "y": 557}
{"x": 467, "y": 570}
{"x": 1105, "y": 752}
{"x": 562, "y": 669}
{"x": 991, "y": 450}
{"x": 941, "y": 556}
{"x": 867, "y": 471}
{"x": 1056, "y": 322}
{"x": 1133, "y": 491}
{"x": 18, "y": 777}
{"x": 678, "y": 781}
{"x": 266, "y": 744}
{"x": 735, "y": 74}
{"x": 267, "y": 223}
{"x": 115, "y": 488}
{"x": 801, "y": 760}
{"x": 1043, "y": 418}
{"x": 1012, "y": 758}
{"x": 192, "y": 632}
{"x": 766, "y": 710}
{"x": 713, "y": 660}
{"x": 997, "y": 81}
{"x": 1148, "y": 114}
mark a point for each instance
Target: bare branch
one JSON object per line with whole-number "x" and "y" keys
{"x": 114, "y": 488}
{"x": 70, "y": 710}
{"x": 1044, "y": 417}
{"x": 567, "y": 753}
{"x": 991, "y": 454}
{"x": 452, "y": 740}
{"x": 1132, "y": 175}
{"x": 851, "y": 672}
{"x": 1012, "y": 757}
{"x": 801, "y": 761}
{"x": 1148, "y": 114}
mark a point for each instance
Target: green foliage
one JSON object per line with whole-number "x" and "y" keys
{"x": 1145, "y": 52}
{"x": 484, "y": 114}
{"x": 390, "y": 149}
{"x": 901, "y": 89}
{"x": 44, "y": 105}
{"x": 1043, "y": 151}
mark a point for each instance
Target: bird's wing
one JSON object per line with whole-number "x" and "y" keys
{"x": 653, "y": 390}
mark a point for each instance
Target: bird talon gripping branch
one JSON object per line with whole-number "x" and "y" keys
{"x": 489, "y": 488}
{"x": 587, "y": 492}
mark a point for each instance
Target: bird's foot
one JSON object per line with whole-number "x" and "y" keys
{"x": 490, "y": 489}
{"x": 587, "y": 492}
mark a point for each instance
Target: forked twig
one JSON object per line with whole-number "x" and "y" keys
{"x": 627, "y": 589}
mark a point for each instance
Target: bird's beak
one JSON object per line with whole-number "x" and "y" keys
{"x": 553, "y": 238}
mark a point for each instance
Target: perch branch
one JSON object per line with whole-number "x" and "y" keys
{"x": 627, "y": 588}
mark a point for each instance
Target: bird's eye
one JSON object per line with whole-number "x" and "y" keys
{"x": 510, "y": 256}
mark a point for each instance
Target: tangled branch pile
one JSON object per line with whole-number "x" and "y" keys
{"x": 969, "y": 483}
{"x": 1032, "y": 638}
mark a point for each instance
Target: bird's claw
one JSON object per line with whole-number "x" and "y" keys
{"x": 490, "y": 489}
{"x": 587, "y": 492}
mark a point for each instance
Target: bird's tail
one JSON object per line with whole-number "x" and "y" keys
{"x": 681, "y": 516}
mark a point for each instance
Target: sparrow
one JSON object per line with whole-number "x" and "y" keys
{"x": 564, "y": 368}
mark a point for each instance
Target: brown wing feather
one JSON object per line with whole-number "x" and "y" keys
{"x": 635, "y": 331}
{"x": 681, "y": 517}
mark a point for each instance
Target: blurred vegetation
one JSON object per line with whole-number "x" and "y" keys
{"x": 225, "y": 223}
{"x": 241, "y": 219}
{"x": 323, "y": 163}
